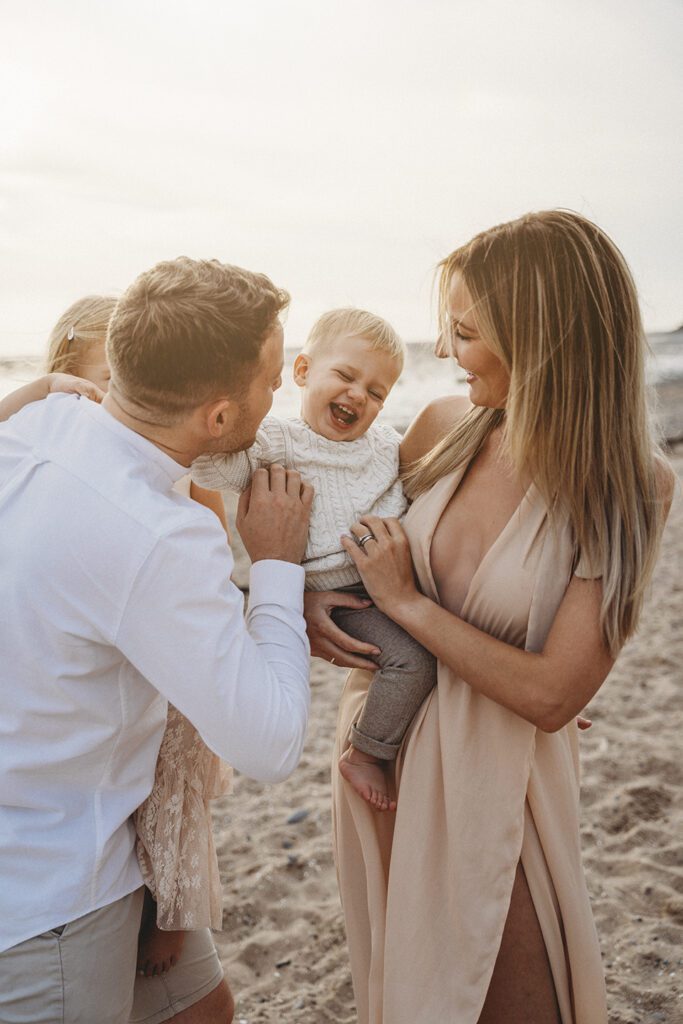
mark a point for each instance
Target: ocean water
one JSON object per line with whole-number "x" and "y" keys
{"x": 666, "y": 363}
{"x": 424, "y": 377}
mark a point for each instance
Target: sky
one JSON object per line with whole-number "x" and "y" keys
{"x": 341, "y": 147}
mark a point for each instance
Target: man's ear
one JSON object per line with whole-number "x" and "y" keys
{"x": 220, "y": 416}
{"x": 301, "y": 366}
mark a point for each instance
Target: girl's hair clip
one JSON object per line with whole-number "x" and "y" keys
{"x": 70, "y": 335}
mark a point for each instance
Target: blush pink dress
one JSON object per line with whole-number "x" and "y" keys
{"x": 426, "y": 890}
{"x": 175, "y": 844}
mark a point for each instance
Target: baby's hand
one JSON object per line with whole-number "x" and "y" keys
{"x": 67, "y": 384}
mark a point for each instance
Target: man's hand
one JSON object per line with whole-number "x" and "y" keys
{"x": 330, "y": 642}
{"x": 273, "y": 514}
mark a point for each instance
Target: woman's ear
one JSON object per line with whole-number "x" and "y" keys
{"x": 301, "y": 366}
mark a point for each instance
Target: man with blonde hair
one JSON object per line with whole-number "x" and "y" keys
{"x": 116, "y": 597}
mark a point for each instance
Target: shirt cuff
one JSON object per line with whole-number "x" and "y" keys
{"x": 274, "y": 582}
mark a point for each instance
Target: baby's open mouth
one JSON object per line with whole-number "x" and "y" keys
{"x": 342, "y": 414}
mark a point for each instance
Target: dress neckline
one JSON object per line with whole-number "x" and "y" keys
{"x": 451, "y": 483}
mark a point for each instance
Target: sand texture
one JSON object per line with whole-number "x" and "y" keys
{"x": 283, "y": 943}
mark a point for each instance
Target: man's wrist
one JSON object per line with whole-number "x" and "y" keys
{"x": 272, "y": 581}
{"x": 270, "y": 557}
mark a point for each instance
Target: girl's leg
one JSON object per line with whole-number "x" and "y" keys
{"x": 522, "y": 989}
{"x": 196, "y": 984}
{"x": 217, "y": 1007}
{"x": 158, "y": 951}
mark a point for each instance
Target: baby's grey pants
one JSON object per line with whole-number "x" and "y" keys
{"x": 406, "y": 675}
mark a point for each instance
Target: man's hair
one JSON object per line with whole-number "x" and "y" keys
{"x": 356, "y": 323}
{"x": 187, "y": 331}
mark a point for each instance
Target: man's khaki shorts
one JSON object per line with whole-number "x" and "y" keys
{"x": 85, "y": 972}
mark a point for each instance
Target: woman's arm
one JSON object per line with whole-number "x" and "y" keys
{"x": 548, "y": 688}
{"x": 44, "y": 386}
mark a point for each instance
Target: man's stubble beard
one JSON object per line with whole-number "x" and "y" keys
{"x": 238, "y": 440}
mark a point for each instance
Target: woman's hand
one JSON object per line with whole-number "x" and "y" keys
{"x": 383, "y": 561}
{"x": 327, "y": 640}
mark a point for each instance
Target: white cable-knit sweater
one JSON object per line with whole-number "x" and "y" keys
{"x": 350, "y": 478}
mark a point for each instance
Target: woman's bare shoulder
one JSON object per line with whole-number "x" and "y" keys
{"x": 432, "y": 424}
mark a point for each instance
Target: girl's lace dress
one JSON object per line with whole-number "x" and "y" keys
{"x": 175, "y": 844}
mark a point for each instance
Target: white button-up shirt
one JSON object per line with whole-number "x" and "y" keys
{"x": 115, "y": 596}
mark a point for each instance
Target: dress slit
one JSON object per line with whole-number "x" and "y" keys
{"x": 426, "y": 892}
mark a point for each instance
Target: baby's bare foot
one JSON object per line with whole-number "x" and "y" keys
{"x": 158, "y": 951}
{"x": 366, "y": 775}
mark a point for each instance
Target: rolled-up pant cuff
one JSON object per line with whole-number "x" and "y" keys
{"x": 376, "y": 748}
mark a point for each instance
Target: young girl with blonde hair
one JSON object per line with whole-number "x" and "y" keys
{"x": 537, "y": 511}
{"x": 175, "y": 846}
{"x": 76, "y": 361}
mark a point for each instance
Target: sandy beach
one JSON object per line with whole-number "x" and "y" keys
{"x": 283, "y": 943}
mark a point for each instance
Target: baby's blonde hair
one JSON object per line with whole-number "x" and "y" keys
{"x": 356, "y": 323}
{"x": 83, "y": 324}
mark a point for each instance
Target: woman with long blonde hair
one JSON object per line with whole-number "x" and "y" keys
{"x": 537, "y": 510}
